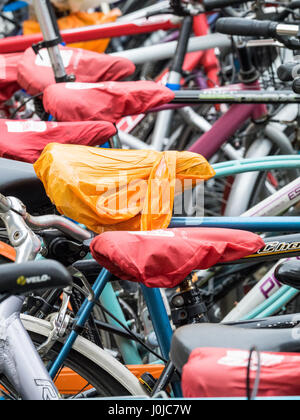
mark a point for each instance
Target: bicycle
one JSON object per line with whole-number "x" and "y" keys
{"x": 21, "y": 367}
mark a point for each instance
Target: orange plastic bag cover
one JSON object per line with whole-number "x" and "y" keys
{"x": 112, "y": 189}
{"x": 77, "y": 20}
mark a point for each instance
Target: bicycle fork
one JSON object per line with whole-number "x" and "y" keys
{"x": 19, "y": 360}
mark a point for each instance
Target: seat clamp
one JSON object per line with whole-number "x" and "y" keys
{"x": 46, "y": 44}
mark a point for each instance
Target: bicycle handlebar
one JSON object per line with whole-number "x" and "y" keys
{"x": 287, "y": 72}
{"x": 64, "y": 225}
{"x": 246, "y": 27}
{"x": 20, "y": 227}
{"x": 220, "y": 4}
{"x": 263, "y": 28}
{"x": 193, "y": 7}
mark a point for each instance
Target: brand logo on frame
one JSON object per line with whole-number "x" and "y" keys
{"x": 275, "y": 247}
{"x": 22, "y": 280}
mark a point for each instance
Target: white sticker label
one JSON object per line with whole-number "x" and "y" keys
{"x": 158, "y": 232}
{"x": 2, "y": 67}
{"x": 84, "y": 86}
{"x": 26, "y": 126}
{"x": 241, "y": 359}
{"x": 43, "y": 59}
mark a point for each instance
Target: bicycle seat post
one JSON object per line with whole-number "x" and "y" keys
{"x": 52, "y": 38}
{"x": 164, "y": 119}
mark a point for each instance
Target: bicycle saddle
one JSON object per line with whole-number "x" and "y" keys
{"x": 190, "y": 337}
{"x": 35, "y": 275}
{"x": 288, "y": 273}
{"x": 25, "y": 140}
{"x": 8, "y": 75}
{"x": 35, "y": 71}
{"x": 18, "y": 179}
{"x": 107, "y": 101}
{"x": 164, "y": 258}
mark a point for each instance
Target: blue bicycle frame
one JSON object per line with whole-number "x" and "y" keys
{"x": 153, "y": 298}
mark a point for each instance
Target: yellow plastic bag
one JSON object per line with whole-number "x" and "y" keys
{"x": 77, "y": 20}
{"x": 112, "y": 189}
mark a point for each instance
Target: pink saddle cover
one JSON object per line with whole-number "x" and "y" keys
{"x": 107, "y": 101}
{"x": 221, "y": 373}
{"x": 164, "y": 258}
{"x": 35, "y": 72}
{"x": 8, "y": 75}
{"x": 25, "y": 140}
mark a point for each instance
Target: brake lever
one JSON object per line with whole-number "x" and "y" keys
{"x": 290, "y": 43}
{"x": 20, "y": 227}
{"x": 21, "y": 237}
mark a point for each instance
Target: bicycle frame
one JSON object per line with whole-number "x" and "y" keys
{"x": 30, "y": 379}
{"x": 210, "y": 142}
{"x": 226, "y": 126}
{"x": 157, "y": 310}
{"x": 218, "y": 134}
{"x": 276, "y": 204}
{"x": 128, "y": 348}
{"x": 153, "y": 297}
{"x": 19, "y": 359}
{"x": 109, "y": 30}
{"x": 108, "y": 299}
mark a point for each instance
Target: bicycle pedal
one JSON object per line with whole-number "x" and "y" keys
{"x": 148, "y": 381}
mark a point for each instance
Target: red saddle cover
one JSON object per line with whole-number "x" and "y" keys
{"x": 219, "y": 373}
{"x": 8, "y": 75}
{"x": 164, "y": 258}
{"x": 107, "y": 101}
{"x": 35, "y": 72}
{"x": 25, "y": 140}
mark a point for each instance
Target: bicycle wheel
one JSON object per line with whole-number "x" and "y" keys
{"x": 87, "y": 367}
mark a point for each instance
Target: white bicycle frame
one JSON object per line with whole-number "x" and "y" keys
{"x": 274, "y": 205}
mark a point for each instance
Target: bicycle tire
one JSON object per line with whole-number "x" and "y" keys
{"x": 93, "y": 376}
{"x": 108, "y": 376}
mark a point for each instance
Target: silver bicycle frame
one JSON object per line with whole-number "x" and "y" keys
{"x": 143, "y": 13}
{"x": 161, "y": 52}
{"x": 244, "y": 183}
{"x": 49, "y": 34}
{"x": 19, "y": 360}
{"x": 166, "y": 51}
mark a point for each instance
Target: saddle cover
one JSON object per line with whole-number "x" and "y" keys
{"x": 111, "y": 189}
{"x": 219, "y": 373}
{"x": 107, "y": 101}
{"x": 8, "y": 75}
{"x": 35, "y": 72}
{"x": 25, "y": 140}
{"x": 164, "y": 258}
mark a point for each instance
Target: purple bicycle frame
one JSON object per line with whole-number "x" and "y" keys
{"x": 225, "y": 127}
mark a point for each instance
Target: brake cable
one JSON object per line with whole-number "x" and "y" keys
{"x": 133, "y": 335}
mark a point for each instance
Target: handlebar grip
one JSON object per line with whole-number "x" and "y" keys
{"x": 296, "y": 85}
{"x": 288, "y": 71}
{"x": 220, "y": 4}
{"x": 246, "y": 27}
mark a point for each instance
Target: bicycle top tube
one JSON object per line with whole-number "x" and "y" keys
{"x": 20, "y": 43}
